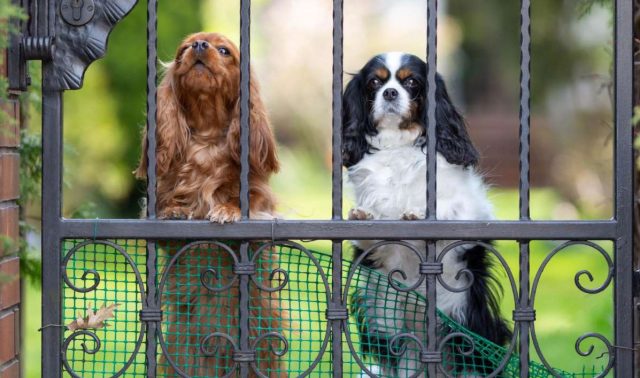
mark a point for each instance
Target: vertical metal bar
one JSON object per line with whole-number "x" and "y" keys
{"x": 337, "y": 108}
{"x": 152, "y": 77}
{"x": 524, "y": 303}
{"x": 432, "y": 45}
{"x": 244, "y": 312}
{"x": 245, "y": 94}
{"x": 337, "y": 300}
{"x": 525, "y": 99}
{"x": 432, "y": 62}
{"x": 624, "y": 171}
{"x": 51, "y": 213}
{"x": 52, "y": 122}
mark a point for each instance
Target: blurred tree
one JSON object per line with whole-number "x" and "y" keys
{"x": 491, "y": 47}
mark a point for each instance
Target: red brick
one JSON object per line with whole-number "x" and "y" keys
{"x": 8, "y": 350}
{"x": 10, "y": 287}
{"x": 9, "y": 226}
{"x": 10, "y": 131}
{"x": 9, "y": 166}
{"x": 12, "y": 370}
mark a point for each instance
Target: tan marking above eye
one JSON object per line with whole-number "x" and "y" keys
{"x": 404, "y": 73}
{"x": 382, "y": 73}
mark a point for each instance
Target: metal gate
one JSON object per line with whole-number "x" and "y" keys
{"x": 68, "y": 35}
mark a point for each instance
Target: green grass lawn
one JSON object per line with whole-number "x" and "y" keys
{"x": 564, "y": 313}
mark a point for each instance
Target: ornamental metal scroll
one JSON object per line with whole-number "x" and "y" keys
{"x": 82, "y": 28}
{"x": 577, "y": 280}
{"x": 94, "y": 279}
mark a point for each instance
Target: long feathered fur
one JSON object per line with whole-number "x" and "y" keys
{"x": 198, "y": 177}
{"x": 384, "y": 152}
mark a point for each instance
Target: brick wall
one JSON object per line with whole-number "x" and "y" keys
{"x": 9, "y": 263}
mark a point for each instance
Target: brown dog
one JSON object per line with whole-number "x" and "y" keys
{"x": 198, "y": 177}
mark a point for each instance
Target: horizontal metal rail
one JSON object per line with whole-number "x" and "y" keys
{"x": 340, "y": 230}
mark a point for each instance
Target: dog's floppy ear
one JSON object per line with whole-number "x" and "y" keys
{"x": 356, "y": 122}
{"x": 454, "y": 142}
{"x": 172, "y": 131}
{"x": 263, "y": 157}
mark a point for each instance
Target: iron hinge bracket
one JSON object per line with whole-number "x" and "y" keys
{"x": 81, "y": 30}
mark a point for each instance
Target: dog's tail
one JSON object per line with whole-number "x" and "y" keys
{"x": 483, "y": 315}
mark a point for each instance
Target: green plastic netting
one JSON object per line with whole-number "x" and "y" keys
{"x": 199, "y": 297}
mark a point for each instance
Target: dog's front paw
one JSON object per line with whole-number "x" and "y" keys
{"x": 359, "y": 214}
{"x": 224, "y": 214}
{"x": 175, "y": 213}
{"x": 413, "y": 215}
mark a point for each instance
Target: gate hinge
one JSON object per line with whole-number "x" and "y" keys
{"x": 636, "y": 283}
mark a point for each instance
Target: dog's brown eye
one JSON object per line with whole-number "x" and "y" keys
{"x": 410, "y": 83}
{"x": 375, "y": 82}
{"x": 223, "y": 51}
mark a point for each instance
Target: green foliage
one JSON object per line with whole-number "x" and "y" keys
{"x": 585, "y": 6}
{"x": 30, "y": 183}
{"x": 492, "y": 41}
{"x": 12, "y": 13}
{"x": 30, "y": 167}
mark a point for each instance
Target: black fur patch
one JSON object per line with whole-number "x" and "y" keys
{"x": 483, "y": 309}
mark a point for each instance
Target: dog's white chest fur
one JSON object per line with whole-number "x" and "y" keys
{"x": 391, "y": 183}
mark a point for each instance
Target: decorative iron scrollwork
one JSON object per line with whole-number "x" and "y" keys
{"x": 224, "y": 345}
{"x": 577, "y": 280}
{"x": 82, "y": 30}
{"x": 94, "y": 276}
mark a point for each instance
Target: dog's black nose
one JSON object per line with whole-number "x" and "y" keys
{"x": 390, "y": 94}
{"x": 200, "y": 46}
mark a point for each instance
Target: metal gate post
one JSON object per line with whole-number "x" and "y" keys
{"x": 624, "y": 169}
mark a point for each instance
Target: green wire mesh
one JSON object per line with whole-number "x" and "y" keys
{"x": 102, "y": 266}
{"x": 200, "y": 299}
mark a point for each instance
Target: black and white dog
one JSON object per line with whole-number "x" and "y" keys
{"x": 384, "y": 110}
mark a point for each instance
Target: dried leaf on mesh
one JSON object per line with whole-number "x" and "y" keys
{"x": 93, "y": 319}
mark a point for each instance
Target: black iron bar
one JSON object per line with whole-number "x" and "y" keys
{"x": 245, "y": 94}
{"x": 245, "y": 98}
{"x": 151, "y": 259}
{"x": 52, "y": 121}
{"x": 341, "y": 230}
{"x": 431, "y": 200}
{"x": 337, "y": 301}
{"x": 624, "y": 171}
{"x": 51, "y": 240}
{"x": 523, "y": 326}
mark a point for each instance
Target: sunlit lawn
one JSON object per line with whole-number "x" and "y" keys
{"x": 564, "y": 313}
